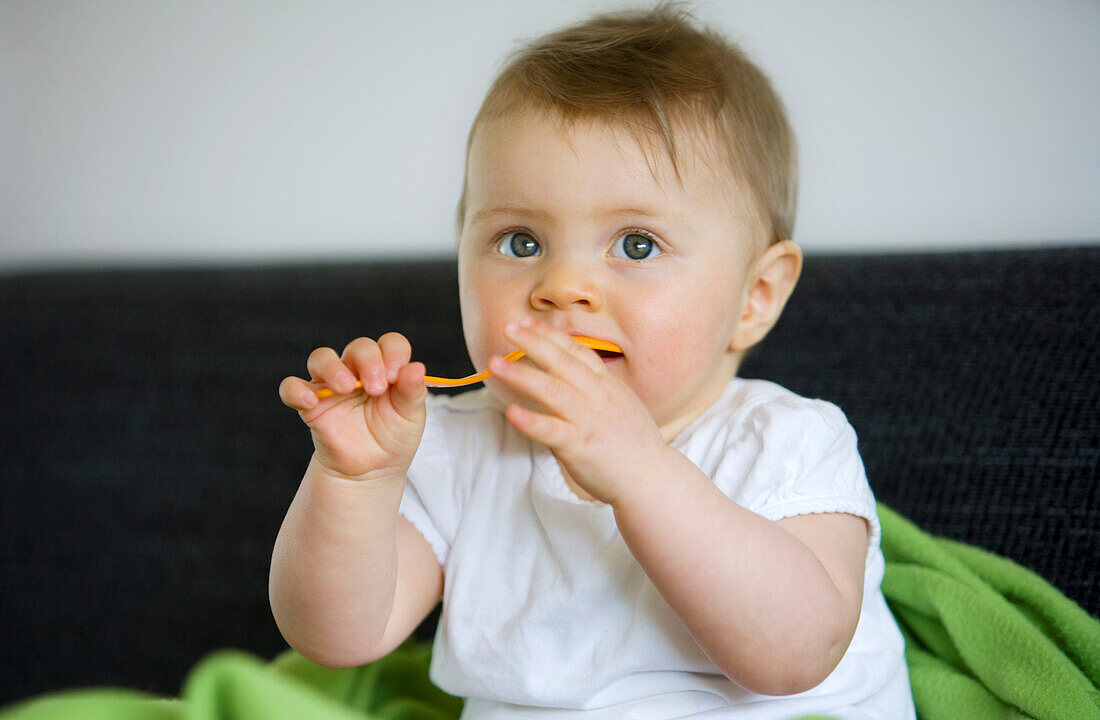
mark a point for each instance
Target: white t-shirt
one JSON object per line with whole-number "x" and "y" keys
{"x": 546, "y": 614}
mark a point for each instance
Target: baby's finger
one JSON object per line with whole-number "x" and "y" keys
{"x": 365, "y": 358}
{"x": 552, "y": 349}
{"x": 297, "y": 394}
{"x": 552, "y": 432}
{"x": 325, "y": 365}
{"x": 396, "y": 353}
{"x": 409, "y": 392}
{"x": 547, "y": 389}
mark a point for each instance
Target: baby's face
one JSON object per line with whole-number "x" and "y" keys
{"x": 575, "y": 227}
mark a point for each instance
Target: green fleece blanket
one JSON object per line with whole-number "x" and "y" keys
{"x": 985, "y": 639}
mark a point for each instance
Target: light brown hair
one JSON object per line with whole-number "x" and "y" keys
{"x": 659, "y": 74}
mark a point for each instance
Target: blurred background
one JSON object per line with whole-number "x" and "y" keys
{"x": 233, "y": 131}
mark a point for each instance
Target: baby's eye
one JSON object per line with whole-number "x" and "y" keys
{"x": 519, "y": 245}
{"x": 635, "y": 246}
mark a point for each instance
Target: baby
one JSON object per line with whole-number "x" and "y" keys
{"x": 639, "y": 534}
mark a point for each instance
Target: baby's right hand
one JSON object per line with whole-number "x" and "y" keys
{"x": 362, "y": 434}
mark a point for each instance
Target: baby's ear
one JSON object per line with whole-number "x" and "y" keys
{"x": 768, "y": 285}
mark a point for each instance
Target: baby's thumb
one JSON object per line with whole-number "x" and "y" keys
{"x": 409, "y": 392}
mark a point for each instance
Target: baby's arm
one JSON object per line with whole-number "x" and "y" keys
{"x": 773, "y": 604}
{"x": 350, "y": 578}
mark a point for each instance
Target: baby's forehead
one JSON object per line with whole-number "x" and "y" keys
{"x": 690, "y": 154}
{"x": 634, "y": 169}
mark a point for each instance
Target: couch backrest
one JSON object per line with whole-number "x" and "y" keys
{"x": 147, "y": 461}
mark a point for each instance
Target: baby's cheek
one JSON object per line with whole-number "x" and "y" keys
{"x": 482, "y": 326}
{"x": 656, "y": 373}
{"x": 676, "y": 333}
{"x": 683, "y": 357}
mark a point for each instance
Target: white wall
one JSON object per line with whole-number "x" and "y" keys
{"x": 205, "y": 131}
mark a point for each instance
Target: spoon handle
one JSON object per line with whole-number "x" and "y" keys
{"x": 434, "y": 381}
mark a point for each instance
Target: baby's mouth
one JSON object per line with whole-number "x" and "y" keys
{"x": 606, "y": 349}
{"x": 609, "y": 355}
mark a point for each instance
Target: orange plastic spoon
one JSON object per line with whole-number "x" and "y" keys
{"x": 433, "y": 381}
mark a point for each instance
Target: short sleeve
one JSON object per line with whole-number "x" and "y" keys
{"x": 794, "y": 456}
{"x": 427, "y": 502}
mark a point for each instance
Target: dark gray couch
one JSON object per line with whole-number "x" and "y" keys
{"x": 146, "y": 461}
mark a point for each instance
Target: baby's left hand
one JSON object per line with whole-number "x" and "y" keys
{"x": 597, "y": 427}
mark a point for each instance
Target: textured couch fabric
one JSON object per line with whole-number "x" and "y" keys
{"x": 146, "y": 460}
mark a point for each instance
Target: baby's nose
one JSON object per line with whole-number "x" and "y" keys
{"x": 566, "y": 285}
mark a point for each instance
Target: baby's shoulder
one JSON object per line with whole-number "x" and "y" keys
{"x": 763, "y": 405}
{"x": 779, "y": 453}
{"x": 757, "y": 416}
